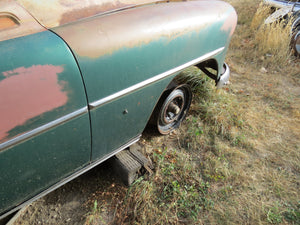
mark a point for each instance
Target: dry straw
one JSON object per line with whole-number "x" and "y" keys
{"x": 272, "y": 40}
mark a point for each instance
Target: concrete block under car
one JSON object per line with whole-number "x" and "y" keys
{"x": 130, "y": 163}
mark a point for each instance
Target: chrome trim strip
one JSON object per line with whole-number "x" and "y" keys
{"x": 73, "y": 176}
{"x": 42, "y": 128}
{"x": 142, "y": 84}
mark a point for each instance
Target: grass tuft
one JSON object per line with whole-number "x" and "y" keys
{"x": 175, "y": 194}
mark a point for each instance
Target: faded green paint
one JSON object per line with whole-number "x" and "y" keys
{"x": 34, "y": 165}
{"x": 115, "y": 71}
{"x": 115, "y": 123}
{"x": 111, "y": 73}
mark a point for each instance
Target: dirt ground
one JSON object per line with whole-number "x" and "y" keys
{"x": 70, "y": 204}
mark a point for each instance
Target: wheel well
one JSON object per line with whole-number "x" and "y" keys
{"x": 210, "y": 68}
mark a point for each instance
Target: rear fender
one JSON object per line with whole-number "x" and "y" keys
{"x": 139, "y": 43}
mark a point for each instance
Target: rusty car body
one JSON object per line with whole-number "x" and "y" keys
{"x": 290, "y": 12}
{"x": 79, "y": 81}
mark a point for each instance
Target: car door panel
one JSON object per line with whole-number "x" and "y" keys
{"x": 45, "y": 127}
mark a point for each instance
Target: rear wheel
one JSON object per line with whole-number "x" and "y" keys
{"x": 173, "y": 109}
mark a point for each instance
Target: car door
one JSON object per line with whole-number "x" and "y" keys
{"x": 119, "y": 121}
{"x": 44, "y": 120}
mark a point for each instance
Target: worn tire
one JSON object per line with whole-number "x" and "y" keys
{"x": 172, "y": 109}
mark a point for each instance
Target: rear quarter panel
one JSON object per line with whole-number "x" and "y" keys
{"x": 120, "y": 50}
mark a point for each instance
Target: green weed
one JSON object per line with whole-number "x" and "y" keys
{"x": 176, "y": 193}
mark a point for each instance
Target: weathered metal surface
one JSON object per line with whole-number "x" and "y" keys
{"x": 24, "y": 23}
{"x": 153, "y": 40}
{"x": 47, "y": 81}
{"x": 126, "y": 48}
{"x": 140, "y": 26}
{"x": 295, "y": 5}
{"x": 36, "y": 81}
{"x": 64, "y": 180}
{"x": 33, "y": 166}
{"x": 39, "y": 83}
{"x": 109, "y": 121}
{"x": 278, "y": 14}
{"x": 58, "y": 12}
{"x": 154, "y": 79}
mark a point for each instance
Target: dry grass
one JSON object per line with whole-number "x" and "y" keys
{"x": 273, "y": 40}
{"x": 236, "y": 159}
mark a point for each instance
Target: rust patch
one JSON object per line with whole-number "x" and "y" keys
{"x": 27, "y": 93}
{"x": 78, "y": 14}
{"x": 58, "y": 12}
{"x": 138, "y": 26}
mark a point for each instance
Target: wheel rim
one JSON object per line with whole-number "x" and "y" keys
{"x": 297, "y": 43}
{"x": 174, "y": 109}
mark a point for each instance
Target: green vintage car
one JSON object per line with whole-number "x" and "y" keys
{"x": 79, "y": 81}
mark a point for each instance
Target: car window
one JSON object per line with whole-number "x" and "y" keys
{"x": 58, "y": 12}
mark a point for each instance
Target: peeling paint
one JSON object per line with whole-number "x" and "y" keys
{"x": 58, "y": 12}
{"x": 27, "y": 93}
{"x": 139, "y": 26}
